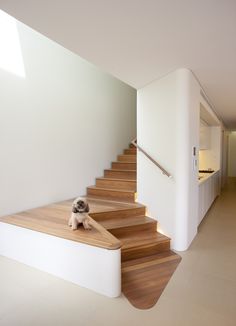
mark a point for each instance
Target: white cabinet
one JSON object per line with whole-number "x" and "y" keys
{"x": 204, "y": 136}
{"x": 209, "y": 189}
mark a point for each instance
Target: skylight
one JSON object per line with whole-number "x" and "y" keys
{"x": 11, "y": 59}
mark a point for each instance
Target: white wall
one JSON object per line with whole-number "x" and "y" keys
{"x": 95, "y": 268}
{"x": 232, "y": 154}
{"x": 60, "y": 125}
{"x": 225, "y": 151}
{"x": 168, "y": 128}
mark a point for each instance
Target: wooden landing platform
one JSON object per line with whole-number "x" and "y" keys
{"x": 52, "y": 220}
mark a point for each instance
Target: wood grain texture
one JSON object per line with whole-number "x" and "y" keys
{"x": 120, "y": 174}
{"x": 147, "y": 262}
{"x": 123, "y": 165}
{"x": 144, "y": 279}
{"x": 52, "y": 219}
{"x": 113, "y": 194}
{"x": 126, "y": 158}
{"x": 112, "y": 183}
{"x": 130, "y": 150}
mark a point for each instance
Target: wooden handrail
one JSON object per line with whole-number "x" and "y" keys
{"x": 134, "y": 142}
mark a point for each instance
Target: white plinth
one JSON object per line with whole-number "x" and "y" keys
{"x": 92, "y": 267}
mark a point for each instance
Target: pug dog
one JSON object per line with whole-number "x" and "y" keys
{"x": 80, "y": 209}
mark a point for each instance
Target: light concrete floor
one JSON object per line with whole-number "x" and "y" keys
{"x": 201, "y": 292}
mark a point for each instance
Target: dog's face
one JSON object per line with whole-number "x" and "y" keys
{"x": 80, "y": 205}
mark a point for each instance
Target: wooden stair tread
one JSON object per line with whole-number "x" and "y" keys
{"x": 120, "y": 174}
{"x": 111, "y": 199}
{"x": 139, "y": 239}
{"x": 150, "y": 260}
{"x": 127, "y": 158}
{"x": 115, "y": 179}
{"x": 124, "y": 222}
{"x": 130, "y": 152}
{"x": 121, "y": 170}
{"x": 112, "y": 190}
{"x": 144, "y": 279}
{"x": 124, "y": 162}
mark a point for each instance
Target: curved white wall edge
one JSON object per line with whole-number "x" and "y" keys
{"x": 94, "y": 268}
{"x": 168, "y": 129}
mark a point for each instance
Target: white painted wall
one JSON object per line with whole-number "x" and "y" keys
{"x": 225, "y": 154}
{"x": 60, "y": 125}
{"x": 232, "y": 154}
{"x": 168, "y": 129}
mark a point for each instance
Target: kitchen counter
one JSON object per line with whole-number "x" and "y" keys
{"x": 205, "y": 176}
{"x": 209, "y": 189}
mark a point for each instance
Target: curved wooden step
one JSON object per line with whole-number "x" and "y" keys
{"x": 144, "y": 279}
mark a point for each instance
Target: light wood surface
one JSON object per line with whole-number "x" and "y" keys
{"x": 123, "y": 165}
{"x": 130, "y": 151}
{"x": 144, "y": 279}
{"x": 52, "y": 219}
{"x": 112, "y": 183}
{"x": 147, "y": 262}
{"x": 120, "y": 174}
{"x": 126, "y": 158}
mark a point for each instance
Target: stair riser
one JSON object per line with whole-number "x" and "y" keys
{"x": 113, "y": 195}
{"x": 148, "y": 227}
{"x": 132, "y": 146}
{"x": 114, "y": 184}
{"x": 131, "y": 151}
{"x": 123, "y": 166}
{"x": 140, "y": 211}
{"x": 127, "y": 158}
{"x": 143, "y": 251}
{"x": 131, "y": 175}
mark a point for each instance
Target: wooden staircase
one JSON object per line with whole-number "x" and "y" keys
{"x": 117, "y": 222}
{"x": 147, "y": 261}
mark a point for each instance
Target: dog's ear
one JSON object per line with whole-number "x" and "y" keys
{"x": 86, "y": 208}
{"x": 74, "y": 210}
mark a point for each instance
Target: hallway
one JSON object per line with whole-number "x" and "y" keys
{"x": 201, "y": 292}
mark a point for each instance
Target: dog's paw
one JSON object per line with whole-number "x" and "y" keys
{"x": 87, "y": 226}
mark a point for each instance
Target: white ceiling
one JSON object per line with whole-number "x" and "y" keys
{"x": 141, "y": 40}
